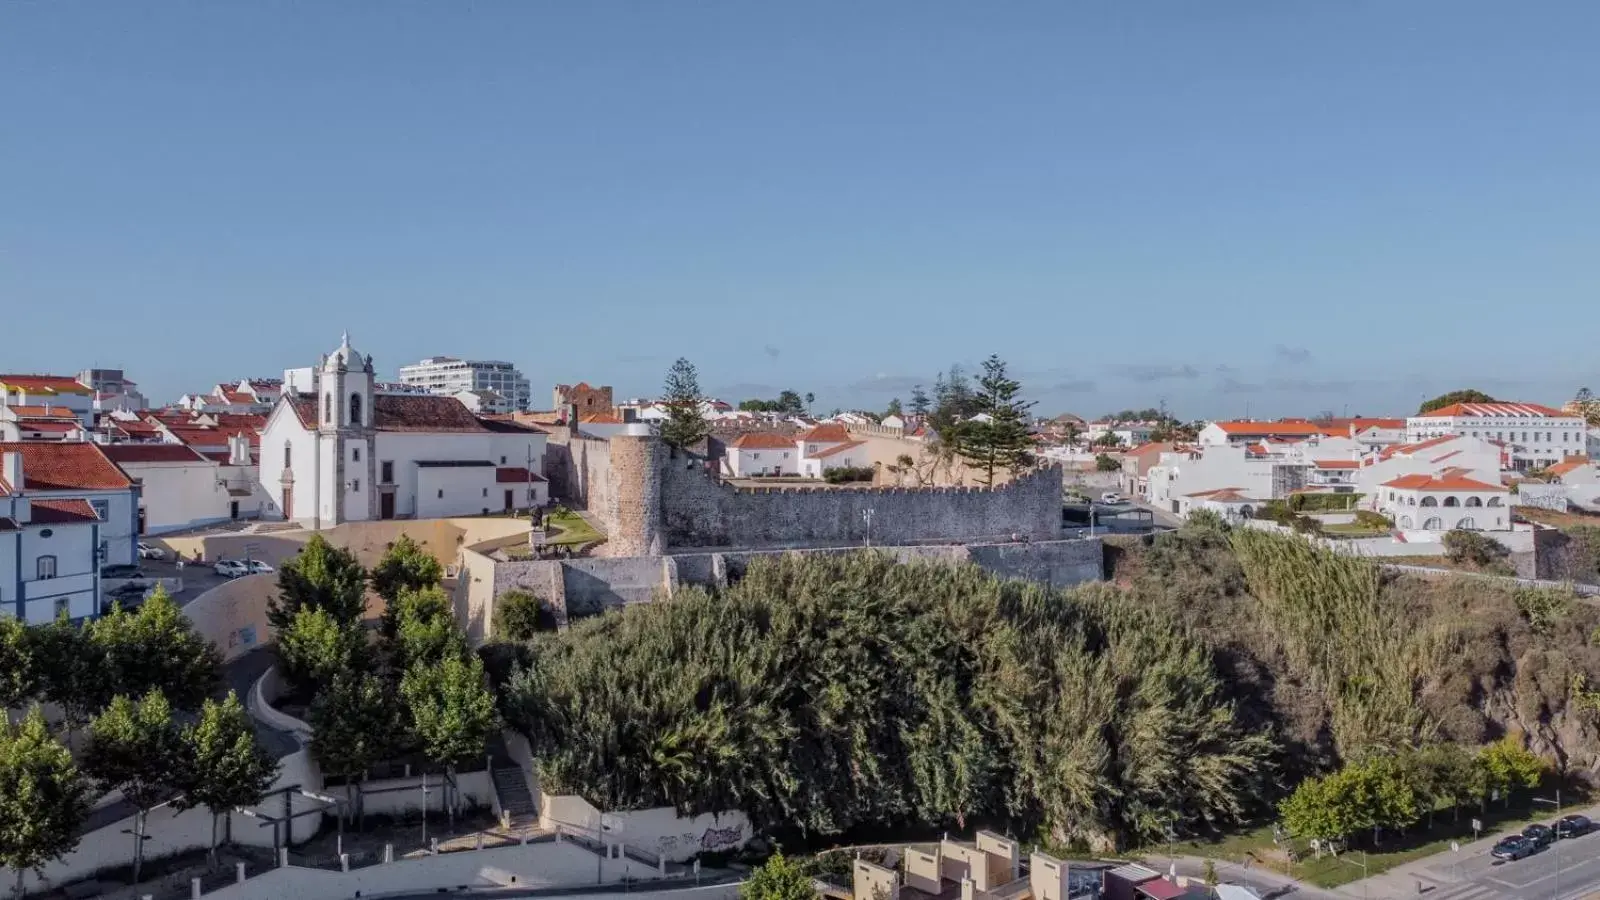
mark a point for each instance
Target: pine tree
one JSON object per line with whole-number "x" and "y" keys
{"x": 224, "y": 768}
{"x": 43, "y": 799}
{"x": 894, "y": 408}
{"x": 322, "y": 576}
{"x": 919, "y": 401}
{"x": 136, "y": 748}
{"x": 685, "y": 426}
{"x": 1002, "y": 442}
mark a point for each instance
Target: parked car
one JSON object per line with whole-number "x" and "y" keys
{"x": 1540, "y": 835}
{"x": 257, "y": 567}
{"x": 148, "y": 552}
{"x": 1513, "y": 847}
{"x": 1573, "y": 826}
{"x": 231, "y": 568}
{"x": 1111, "y": 497}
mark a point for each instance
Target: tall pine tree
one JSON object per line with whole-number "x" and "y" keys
{"x": 999, "y": 440}
{"x": 685, "y": 426}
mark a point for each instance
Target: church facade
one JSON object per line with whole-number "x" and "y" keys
{"x": 337, "y": 449}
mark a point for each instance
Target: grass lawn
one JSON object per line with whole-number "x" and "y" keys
{"x": 1353, "y": 529}
{"x": 567, "y": 529}
{"x": 1256, "y": 847}
{"x": 1562, "y": 520}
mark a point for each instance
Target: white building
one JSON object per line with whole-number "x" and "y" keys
{"x": 1218, "y": 434}
{"x": 344, "y": 453}
{"x": 448, "y": 376}
{"x": 49, "y": 551}
{"x": 829, "y": 446}
{"x": 1266, "y": 470}
{"x": 34, "y": 396}
{"x": 1445, "y": 502}
{"x": 485, "y": 402}
{"x": 181, "y": 488}
{"x": 762, "y": 453}
{"x": 81, "y": 471}
{"x": 1370, "y": 433}
{"x": 1477, "y": 458}
{"x": 1538, "y": 436}
{"x": 1128, "y": 434}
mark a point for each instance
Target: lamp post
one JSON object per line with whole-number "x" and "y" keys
{"x": 866, "y": 517}
{"x": 1555, "y": 851}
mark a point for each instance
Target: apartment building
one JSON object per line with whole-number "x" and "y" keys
{"x": 447, "y": 376}
{"x": 1537, "y": 436}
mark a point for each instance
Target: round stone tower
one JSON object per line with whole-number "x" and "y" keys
{"x": 636, "y": 461}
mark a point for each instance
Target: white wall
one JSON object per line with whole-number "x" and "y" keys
{"x": 77, "y": 572}
{"x": 455, "y": 491}
{"x": 652, "y": 831}
{"x": 745, "y": 463}
{"x": 1406, "y": 508}
{"x": 855, "y": 457}
{"x": 1536, "y": 441}
{"x": 283, "y": 428}
{"x": 180, "y": 495}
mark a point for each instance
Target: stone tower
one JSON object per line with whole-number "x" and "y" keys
{"x": 636, "y": 461}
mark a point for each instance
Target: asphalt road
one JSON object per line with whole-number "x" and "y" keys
{"x": 1481, "y": 877}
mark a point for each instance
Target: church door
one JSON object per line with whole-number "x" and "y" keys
{"x": 511, "y": 500}
{"x": 386, "y": 506}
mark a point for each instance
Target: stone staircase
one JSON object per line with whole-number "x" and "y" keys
{"x": 511, "y": 786}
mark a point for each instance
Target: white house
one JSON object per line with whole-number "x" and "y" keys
{"x": 1128, "y": 434}
{"x": 1230, "y": 503}
{"x": 1479, "y": 459}
{"x": 36, "y": 396}
{"x": 81, "y": 471}
{"x": 485, "y": 402}
{"x": 829, "y": 446}
{"x": 49, "y": 551}
{"x": 1445, "y": 502}
{"x": 1575, "y": 470}
{"x": 1370, "y": 433}
{"x": 1265, "y": 470}
{"x": 1247, "y": 432}
{"x": 762, "y": 453}
{"x": 1538, "y": 436}
{"x": 181, "y": 488}
{"x": 344, "y": 453}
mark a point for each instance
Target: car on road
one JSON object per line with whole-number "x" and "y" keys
{"x": 1513, "y": 847}
{"x": 231, "y": 568}
{"x": 257, "y": 567}
{"x": 1111, "y": 497}
{"x": 1540, "y": 835}
{"x": 147, "y": 551}
{"x": 1573, "y": 826}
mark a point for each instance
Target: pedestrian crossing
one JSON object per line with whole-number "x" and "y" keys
{"x": 1471, "y": 890}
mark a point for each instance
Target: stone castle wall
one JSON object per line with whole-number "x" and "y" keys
{"x": 579, "y": 472}
{"x": 698, "y": 510}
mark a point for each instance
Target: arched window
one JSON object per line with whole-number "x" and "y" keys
{"x": 355, "y": 409}
{"x": 1467, "y": 524}
{"x": 1473, "y": 501}
{"x": 1494, "y": 501}
{"x": 1405, "y": 521}
{"x": 1452, "y": 501}
{"x": 327, "y": 408}
{"x": 1430, "y": 501}
{"x": 288, "y": 455}
{"x": 1433, "y": 524}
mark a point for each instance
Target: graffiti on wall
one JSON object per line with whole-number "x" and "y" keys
{"x": 720, "y": 838}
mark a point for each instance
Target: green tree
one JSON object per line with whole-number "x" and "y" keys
{"x": 405, "y": 566}
{"x": 1208, "y": 873}
{"x": 223, "y": 766}
{"x": 156, "y": 649}
{"x": 427, "y": 641}
{"x": 1462, "y": 396}
{"x": 316, "y": 647}
{"x": 1001, "y": 442}
{"x": 355, "y": 723}
{"x": 778, "y": 879}
{"x": 320, "y": 576}
{"x": 451, "y": 708}
{"x": 72, "y": 672}
{"x": 893, "y": 409}
{"x": 919, "y": 401}
{"x": 685, "y": 426}
{"x": 43, "y": 799}
{"x": 1105, "y": 463}
{"x": 1474, "y": 548}
{"x": 810, "y": 399}
{"x": 19, "y": 678}
{"x": 789, "y": 402}
{"x": 519, "y": 615}
{"x": 1507, "y": 765}
{"x": 138, "y": 749}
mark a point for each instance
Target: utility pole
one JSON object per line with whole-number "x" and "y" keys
{"x": 1555, "y": 848}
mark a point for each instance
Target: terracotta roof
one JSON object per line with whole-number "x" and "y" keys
{"x": 1150, "y": 447}
{"x": 42, "y": 412}
{"x": 516, "y": 475}
{"x": 1493, "y": 410}
{"x": 831, "y": 433}
{"x": 508, "y": 425}
{"x": 1211, "y": 494}
{"x": 1409, "y": 449}
{"x": 48, "y": 425}
{"x": 1341, "y": 427}
{"x": 62, "y": 512}
{"x": 1450, "y": 480}
{"x": 237, "y": 397}
{"x": 830, "y": 451}
{"x": 45, "y": 384}
{"x": 67, "y": 467}
{"x": 151, "y": 453}
{"x": 600, "y": 419}
{"x": 1567, "y": 465}
{"x": 765, "y": 440}
{"x": 1337, "y": 463}
{"x": 423, "y": 413}
{"x": 1301, "y": 428}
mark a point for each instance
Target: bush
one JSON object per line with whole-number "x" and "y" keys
{"x": 847, "y": 474}
{"x": 1474, "y": 548}
{"x": 519, "y": 615}
{"x": 1366, "y": 518}
{"x": 1104, "y": 463}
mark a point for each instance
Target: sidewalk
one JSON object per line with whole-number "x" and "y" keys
{"x": 1263, "y": 881}
{"x": 1434, "y": 872}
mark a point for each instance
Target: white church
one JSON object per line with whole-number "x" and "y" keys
{"x": 336, "y": 450}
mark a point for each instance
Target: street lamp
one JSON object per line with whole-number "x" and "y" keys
{"x": 1555, "y": 851}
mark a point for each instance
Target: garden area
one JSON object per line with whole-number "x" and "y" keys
{"x": 566, "y": 530}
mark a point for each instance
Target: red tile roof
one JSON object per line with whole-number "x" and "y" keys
{"x": 43, "y": 412}
{"x": 1450, "y": 480}
{"x": 1341, "y": 427}
{"x": 1409, "y": 449}
{"x": 1300, "y": 428}
{"x": 49, "y": 426}
{"x": 67, "y": 467}
{"x": 62, "y": 512}
{"x": 404, "y": 412}
{"x": 600, "y": 419}
{"x": 1227, "y": 494}
{"x": 765, "y": 440}
{"x": 516, "y": 475}
{"x": 1567, "y": 465}
{"x": 1495, "y": 410}
{"x": 1337, "y": 463}
{"x": 45, "y": 384}
{"x": 151, "y": 453}
{"x": 830, "y": 433}
{"x": 509, "y": 425}
{"x": 830, "y": 451}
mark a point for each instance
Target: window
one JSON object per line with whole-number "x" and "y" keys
{"x": 486, "y": 492}
{"x": 1474, "y": 501}
{"x": 1405, "y": 521}
{"x": 1495, "y": 501}
{"x": 327, "y": 408}
{"x": 1433, "y": 524}
{"x": 355, "y": 409}
{"x": 441, "y": 493}
{"x": 1451, "y": 501}
{"x": 61, "y": 607}
{"x": 288, "y": 454}
{"x": 502, "y": 460}
{"x": 102, "y": 509}
{"x": 355, "y": 454}
{"x": 387, "y": 468}
{"x": 355, "y": 485}
{"x": 46, "y": 567}
{"x": 1430, "y": 501}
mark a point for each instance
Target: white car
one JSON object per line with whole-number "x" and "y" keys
{"x": 1111, "y": 497}
{"x": 231, "y": 568}
{"x": 257, "y": 567}
{"x": 148, "y": 552}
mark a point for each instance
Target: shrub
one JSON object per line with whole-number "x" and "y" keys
{"x": 519, "y": 615}
{"x": 1474, "y": 548}
{"x": 1105, "y": 463}
{"x": 847, "y": 474}
{"x": 1366, "y": 518}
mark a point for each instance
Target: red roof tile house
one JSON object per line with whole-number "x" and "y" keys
{"x": 762, "y": 453}
{"x": 182, "y": 488}
{"x": 66, "y": 511}
{"x": 1444, "y": 502}
{"x": 829, "y": 446}
{"x": 39, "y": 393}
{"x": 344, "y": 452}
{"x": 1538, "y": 436}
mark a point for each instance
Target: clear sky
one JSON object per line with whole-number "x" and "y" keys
{"x": 1297, "y": 206}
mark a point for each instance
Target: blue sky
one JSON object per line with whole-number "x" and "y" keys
{"x": 1288, "y": 207}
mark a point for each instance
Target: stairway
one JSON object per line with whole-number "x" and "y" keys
{"x": 511, "y": 786}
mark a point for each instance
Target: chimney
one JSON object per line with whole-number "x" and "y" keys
{"x": 238, "y": 450}
{"x": 11, "y": 469}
